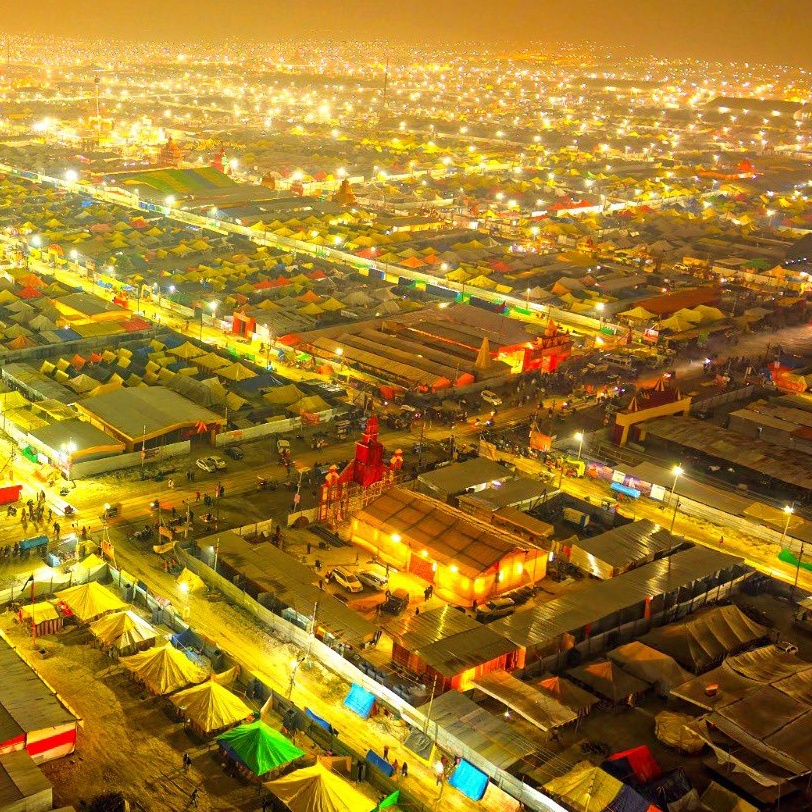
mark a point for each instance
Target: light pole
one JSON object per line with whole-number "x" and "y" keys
{"x": 213, "y": 307}
{"x": 184, "y": 589}
{"x": 677, "y": 471}
{"x": 294, "y": 667}
{"x": 788, "y": 510}
{"x": 797, "y": 572}
{"x": 579, "y": 436}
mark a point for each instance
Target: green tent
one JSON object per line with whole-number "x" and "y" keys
{"x": 259, "y": 747}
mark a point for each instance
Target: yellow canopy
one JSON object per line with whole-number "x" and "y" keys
{"x": 163, "y": 669}
{"x": 90, "y": 601}
{"x": 122, "y": 630}
{"x": 211, "y": 707}
{"x": 585, "y": 788}
{"x": 39, "y": 612}
{"x": 194, "y": 583}
{"x": 316, "y": 789}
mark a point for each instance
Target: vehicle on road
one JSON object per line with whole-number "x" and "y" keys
{"x": 494, "y": 609}
{"x": 396, "y": 603}
{"x": 219, "y": 463}
{"x": 376, "y": 580}
{"x": 344, "y": 578}
{"x": 207, "y": 464}
{"x": 786, "y": 647}
{"x": 490, "y": 397}
{"x": 283, "y": 447}
{"x": 235, "y": 452}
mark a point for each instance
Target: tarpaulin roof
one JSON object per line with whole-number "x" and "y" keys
{"x": 259, "y": 747}
{"x": 568, "y": 693}
{"x": 360, "y": 701}
{"x": 39, "y": 612}
{"x": 539, "y": 708}
{"x": 678, "y": 730}
{"x": 469, "y": 780}
{"x": 650, "y": 665}
{"x": 585, "y": 788}
{"x": 637, "y": 763}
{"x": 449, "y": 536}
{"x": 163, "y": 669}
{"x": 122, "y": 630}
{"x": 608, "y": 680}
{"x": 89, "y": 601}
{"x": 718, "y": 799}
{"x": 707, "y": 637}
{"x": 316, "y": 789}
{"x": 210, "y": 706}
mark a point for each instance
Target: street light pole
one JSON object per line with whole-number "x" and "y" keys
{"x": 789, "y": 510}
{"x": 797, "y": 572}
{"x": 677, "y": 474}
{"x": 579, "y": 436}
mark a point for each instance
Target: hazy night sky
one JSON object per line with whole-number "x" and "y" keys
{"x": 746, "y": 30}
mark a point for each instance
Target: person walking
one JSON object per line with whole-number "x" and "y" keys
{"x": 386, "y": 752}
{"x": 194, "y": 796}
{"x": 187, "y": 762}
{"x": 395, "y": 767}
{"x": 404, "y": 770}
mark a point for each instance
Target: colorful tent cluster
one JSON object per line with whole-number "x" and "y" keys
{"x": 164, "y": 669}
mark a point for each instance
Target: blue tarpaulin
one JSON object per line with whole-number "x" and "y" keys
{"x": 34, "y": 541}
{"x": 625, "y": 490}
{"x": 376, "y": 761}
{"x": 469, "y": 780}
{"x": 319, "y": 721}
{"x": 360, "y": 701}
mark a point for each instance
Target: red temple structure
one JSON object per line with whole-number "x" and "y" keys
{"x": 170, "y": 154}
{"x": 364, "y": 478}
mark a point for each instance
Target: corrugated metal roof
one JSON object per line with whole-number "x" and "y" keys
{"x": 20, "y": 778}
{"x": 546, "y": 623}
{"x": 461, "y": 475}
{"x": 756, "y": 455}
{"x": 26, "y": 698}
{"x": 290, "y": 582}
{"x": 490, "y": 736}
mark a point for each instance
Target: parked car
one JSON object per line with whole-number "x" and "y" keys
{"x": 235, "y": 452}
{"x": 344, "y": 578}
{"x": 396, "y": 602}
{"x": 491, "y": 397}
{"x": 219, "y": 463}
{"x": 207, "y": 464}
{"x": 786, "y": 647}
{"x": 493, "y": 610}
{"x": 283, "y": 446}
{"x": 377, "y": 580}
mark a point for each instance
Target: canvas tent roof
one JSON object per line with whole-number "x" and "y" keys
{"x": 608, "y": 680}
{"x": 210, "y": 706}
{"x": 706, "y": 638}
{"x": 164, "y": 669}
{"x": 648, "y": 664}
{"x": 537, "y": 707}
{"x": 259, "y": 747}
{"x": 39, "y": 612}
{"x": 89, "y": 601}
{"x": 678, "y": 730}
{"x": 316, "y": 789}
{"x": 568, "y": 693}
{"x": 717, "y": 798}
{"x": 585, "y": 788}
{"x": 122, "y": 630}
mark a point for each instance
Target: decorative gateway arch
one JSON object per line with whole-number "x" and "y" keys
{"x": 366, "y": 477}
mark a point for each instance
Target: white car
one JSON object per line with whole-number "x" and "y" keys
{"x": 491, "y": 397}
{"x": 219, "y": 463}
{"x": 375, "y": 580}
{"x": 207, "y": 464}
{"x": 347, "y": 579}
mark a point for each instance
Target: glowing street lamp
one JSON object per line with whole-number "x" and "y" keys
{"x": 678, "y": 472}
{"x": 579, "y": 436}
{"x": 788, "y": 510}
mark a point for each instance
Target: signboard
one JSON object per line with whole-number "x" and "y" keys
{"x": 657, "y": 492}
{"x": 618, "y": 476}
{"x": 108, "y": 550}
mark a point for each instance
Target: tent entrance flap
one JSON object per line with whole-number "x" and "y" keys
{"x": 469, "y": 780}
{"x": 360, "y": 701}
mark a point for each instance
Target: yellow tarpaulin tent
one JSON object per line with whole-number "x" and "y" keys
{"x": 164, "y": 669}
{"x": 210, "y": 707}
{"x": 90, "y": 601}
{"x": 316, "y": 789}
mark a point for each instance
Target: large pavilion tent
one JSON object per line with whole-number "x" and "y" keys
{"x": 259, "y": 747}
{"x": 209, "y": 707}
{"x": 164, "y": 669}
{"x": 609, "y": 681}
{"x": 706, "y": 638}
{"x": 316, "y": 789}
{"x": 90, "y": 601}
{"x": 123, "y": 631}
{"x": 648, "y": 664}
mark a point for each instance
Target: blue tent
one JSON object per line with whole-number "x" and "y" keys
{"x": 469, "y": 780}
{"x": 360, "y": 701}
